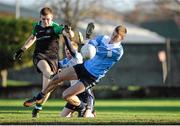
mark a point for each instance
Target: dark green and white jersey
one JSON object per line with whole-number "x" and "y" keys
{"x": 47, "y": 39}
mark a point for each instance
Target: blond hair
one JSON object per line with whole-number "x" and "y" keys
{"x": 121, "y": 30}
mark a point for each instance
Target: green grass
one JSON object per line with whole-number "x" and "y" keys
{"x": 17, "y": 83}
{"x": 122, "y": 111}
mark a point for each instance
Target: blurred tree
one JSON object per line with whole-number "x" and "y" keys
{"x": 13, "y": 34}
{"x": 155, "y": 10}
{"x": 72, "y": 11}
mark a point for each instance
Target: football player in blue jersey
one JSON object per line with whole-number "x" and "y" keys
{"x": 73, "y": 57}
{"x": 108, "y": 51}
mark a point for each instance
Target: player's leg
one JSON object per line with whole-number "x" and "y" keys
{"x": 70, "y": 95}
{"x": 45, "y": 84}
{"x": 90, "y": 99}
{"x": 65, "y": 74}
{"x": 45, "y": 68}
{"x": 38, "y": 107}
{"x": 66, "y": 112}
{"x": 46, "y": 71}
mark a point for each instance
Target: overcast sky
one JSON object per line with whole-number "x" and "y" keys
{"x": 122, "y": 5}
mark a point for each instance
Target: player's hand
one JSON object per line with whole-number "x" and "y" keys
{"x": 67, "y": 28}
{"x": 89, "y": 30}
{"x": 69, "y": 34}
{"x": 18, "y": 55}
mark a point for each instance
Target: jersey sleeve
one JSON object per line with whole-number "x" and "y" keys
{"x": 69, "y": 46}
{"x": 57, "y": 28}
{"x": 62, "y": 63}
{"x": 96, "y": 41}
{"x": 119, "y": 53}
{"x": 115, "y": 53}
{"x": 34, "y": 31}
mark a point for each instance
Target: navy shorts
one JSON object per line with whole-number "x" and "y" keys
{"x": 84, "y": 76}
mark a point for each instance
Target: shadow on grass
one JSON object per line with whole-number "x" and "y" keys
{"x": 92, "y": 123}
{"x": 103, "y": 108}
{"x": 20, "y": 112}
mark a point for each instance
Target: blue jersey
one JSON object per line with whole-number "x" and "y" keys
{"x": 77, "y": 59}
{"x": 106, "y": 56}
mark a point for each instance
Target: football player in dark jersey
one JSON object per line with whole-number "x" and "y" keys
{"x": 45, "y": 35}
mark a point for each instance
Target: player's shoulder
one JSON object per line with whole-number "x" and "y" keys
{"x": 55, "y": 24}
{"x": 57, "y": 28}
{"x": 36, "y": 23}
{"x": 100, "y": 37}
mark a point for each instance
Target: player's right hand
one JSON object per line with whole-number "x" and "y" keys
{"x": 89, "y": 30}
{"x": 18, "y": 55}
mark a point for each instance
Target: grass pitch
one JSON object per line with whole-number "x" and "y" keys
{"x": 119, "y": 111}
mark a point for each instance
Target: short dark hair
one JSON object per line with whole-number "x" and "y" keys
{"x": 45, "y": 11}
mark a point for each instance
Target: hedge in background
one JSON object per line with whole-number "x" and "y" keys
{"x": 13, "y": 34}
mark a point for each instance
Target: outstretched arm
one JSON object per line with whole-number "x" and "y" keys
{"x": 69, "y": 46}
{"x": 29, "y": 42}
{"x": 26, "y": 45}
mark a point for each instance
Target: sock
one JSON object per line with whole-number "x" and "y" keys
{"x": 81, "y": 109}
{"x": 81, "y": 106}
{"x": 40, "y": 96}
{"x": 38, "y": 106}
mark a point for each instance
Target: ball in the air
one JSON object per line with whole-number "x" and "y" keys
{"x": 88, "y": 51}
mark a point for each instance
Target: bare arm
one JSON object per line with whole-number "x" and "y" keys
{"x": 29, "y": 42}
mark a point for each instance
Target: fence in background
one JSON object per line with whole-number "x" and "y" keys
{"x": 140, "y": 65}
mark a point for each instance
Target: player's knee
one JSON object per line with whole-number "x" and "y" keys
{"x": 65, "y": 95}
